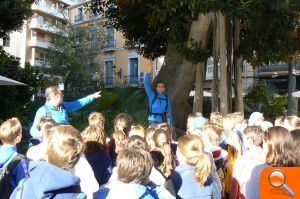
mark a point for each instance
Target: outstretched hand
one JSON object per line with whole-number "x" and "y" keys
{"x": 97, "y": 95}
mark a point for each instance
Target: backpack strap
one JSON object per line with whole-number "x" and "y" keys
{"x": 80, "y": 195}
{"x": 48, "y": 112}
{"x": 20, "y": 189}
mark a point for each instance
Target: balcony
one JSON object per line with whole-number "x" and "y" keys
{"x": 42, "y": 63}
{"x": 110, "y": 45}
{"x": 132, "y": 80}
{"x": 37, "y": 24}
{"x": 33, "y": 42}
{"x": 50, "y": 11}
{"x": 275, "y": 69}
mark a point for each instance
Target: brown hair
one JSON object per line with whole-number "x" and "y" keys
{"x": 94, "y": 139}
{"x": 192, "y": 149}
{"x": 123, "y": 122}
{"x": 120, "y": 140}
{"x": 255, "y": 133}
{"x": 52, "y": 91}
{"x": 213, "y": 134}
{"x": 96, "y": 119}
{"x": 137, "y": 130}
{"x": 134, "y": 166}
{"x": 161, "y": 140}
{"x": 65, "y": 146}
{"x": 281, "y": 150}
{"x": 138, "y": 142}
{"x": 10, "y": 130}
{"x": 47, "y": 121}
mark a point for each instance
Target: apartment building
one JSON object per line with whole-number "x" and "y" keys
{"x": 117, "y": 65}
{"x": 31, "y": 43}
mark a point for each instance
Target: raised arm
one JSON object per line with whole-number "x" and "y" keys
{"x": 147, "y": 83}
{"x": 75, "y": 105}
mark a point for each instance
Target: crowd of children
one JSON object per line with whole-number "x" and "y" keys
{"x": 218, "y": 157}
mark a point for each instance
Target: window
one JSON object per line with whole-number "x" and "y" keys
{"x": 133, "y": 71}
{"x": 40, "y": 55}
{"x": 110, "y": 38}
{"x": 6, "y": 42}
{"x": 109, "y": 72}
{"x": 79, "y": 14}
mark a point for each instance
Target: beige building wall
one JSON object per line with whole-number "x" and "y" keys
{"x": 117, "y": 65}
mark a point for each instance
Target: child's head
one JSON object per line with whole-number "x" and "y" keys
{"x": 11, "y": 131}
{"x": 137, "y": 142}
{"x": 229, "y": 122}
{"x": 279, "y": 121}
{"x": 134, "y": 166}
{"x": 191, "y": 151}
{"x": 64, "y": 147}
{"x": 45, "y": 124}
{"x": 254, "y": 136}
{"x": 160, "y": 137}
{"x": 239, "y": 116}
{"x": 96, "y": 119}
{"x": 94, "y": 139}
{"x": 137, "y": 130}
{"x": 292, "y": 123}
{"x": 123, "y": 122}
{"x": 279, "y": 148}
{"x": 120, "y": 140}
{"x": 195, "y": 121}
{"x": 255, "y": 119}
{"x": 265, "y": 125}
{"x": 216, "y": 118}
{"x": 149, "y": 132}
{"x": 213, "y": 134}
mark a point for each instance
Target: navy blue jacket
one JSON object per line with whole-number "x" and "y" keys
{"x": 102, "y": 166}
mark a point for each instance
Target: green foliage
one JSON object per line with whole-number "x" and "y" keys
{"x": 74, "y": 57}
{"x": 16, "y": 99}
{"x": 113, "y": 102}
{"x": 12, "y": 15}
{"x": 263, "y": 97}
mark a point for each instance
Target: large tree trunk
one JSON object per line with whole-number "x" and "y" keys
{"x": 179, "y": 74}
{"x": 292, "y": 88}
{"x": 198, "y": 98}
{"x": 223, "y": 64}
{"x": 238, "y": 73}
{"x": 229, "y": 61}
{"x": 215, "y": 102}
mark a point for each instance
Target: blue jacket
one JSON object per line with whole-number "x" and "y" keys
{"x": 59, "y": 116}
{"x": 159, "y": 105}
{"x": 6, "y": 154}
{"x": 48, "y": 181}
{"x": 187, "y": 187}
{"x": 102, "y": 166}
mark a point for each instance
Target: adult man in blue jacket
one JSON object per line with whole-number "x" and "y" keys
{"x": 57, "y": 109}
{"x": 159, "y": 102}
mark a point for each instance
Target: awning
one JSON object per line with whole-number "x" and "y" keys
{"x": 9, "y": 82}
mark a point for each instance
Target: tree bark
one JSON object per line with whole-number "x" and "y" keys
{"x": 229, "y": 62}
{"x": 215, "y": 102}
{"x": 292, "y": 88}
{"x": 238, "y": 73}
{"x": 223, "y": 64}
{"x": 198, "y": 98}
{"x": 178, "y": 74}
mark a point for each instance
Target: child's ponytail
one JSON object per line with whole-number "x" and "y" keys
{"x": 202, "y": 168}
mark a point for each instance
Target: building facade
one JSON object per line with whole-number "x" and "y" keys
{"x": 31, "y": 43}
{"x": 117, "y": 65}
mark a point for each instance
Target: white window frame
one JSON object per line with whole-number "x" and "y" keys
{"x": 131, "y": 56}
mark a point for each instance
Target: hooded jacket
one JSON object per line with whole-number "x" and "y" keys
{"x": 48, "y": 181}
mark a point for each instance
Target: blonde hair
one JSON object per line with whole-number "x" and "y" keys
{"x": 161, "y": 140}
{"x": 279, "y": 121}
{"x": 134, "y": 166}
{"x": 96, "y": 119}
{"x": 149, "y": 132}
{"x": 229, "y": 122}
{"x": 138, "y": 142}
{"x": 292, "y": 122}
{"x": 120, "y": 140}
{"x": 44, "y": 125}
{"x": 94, "y": 139}
{"x": 137, "y": 130}
{"x": 192, "y": 149}
{"x": 64, "y": 147}
{"x": 52, "y": 91}
{"x": 123, "y": 122}
{"x": 213, "y": 134}
{"x": 216, "y": 118}
{"x": 10, "y": 130}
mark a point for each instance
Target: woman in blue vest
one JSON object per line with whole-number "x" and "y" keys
{"x": 159, "y": 102}
{"x": 57, "y": 109}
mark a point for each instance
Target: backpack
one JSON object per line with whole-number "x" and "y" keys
{"x": 6, "y": 171}
{"x": 163, "y": 115}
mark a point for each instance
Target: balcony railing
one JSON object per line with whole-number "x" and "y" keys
{"x": 275, "y": 67}
{"x": 133, "y": 80}
{"x": 63, "y": 14}
{"x": 110, "y": 43}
